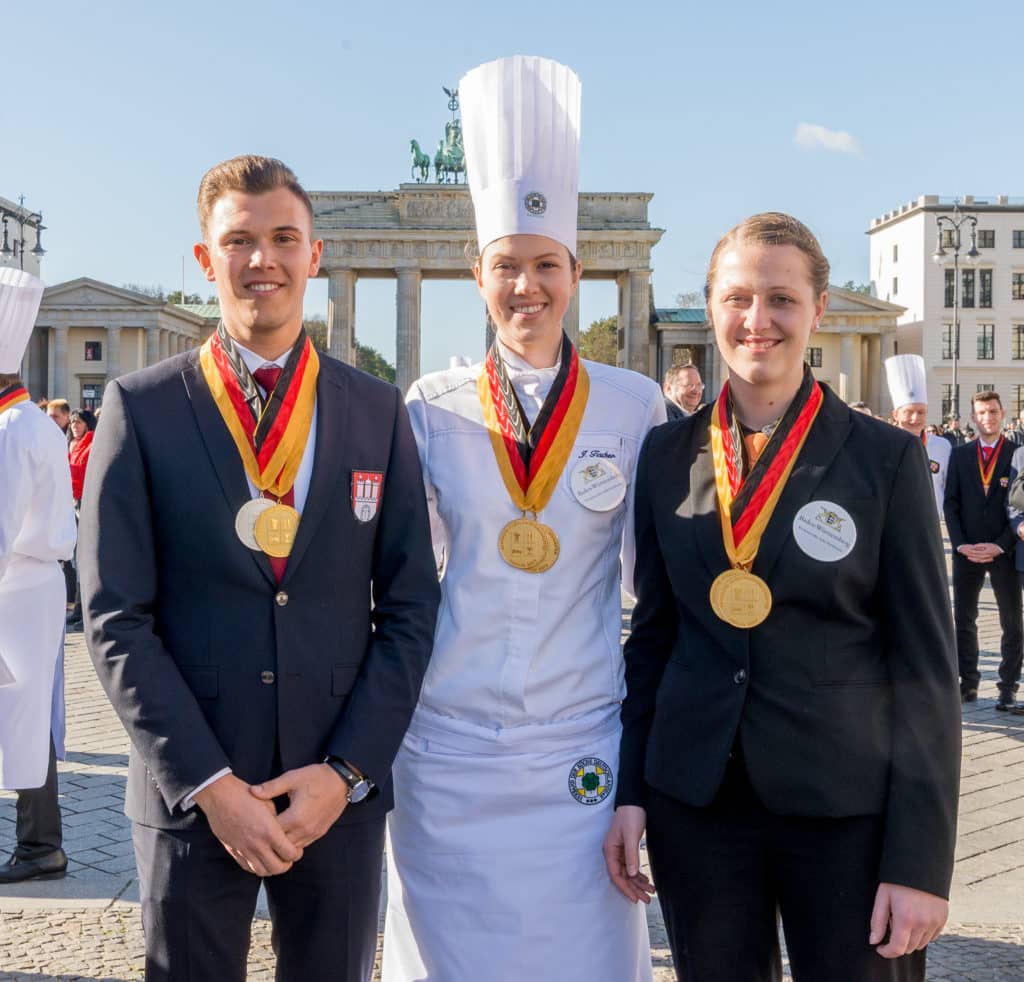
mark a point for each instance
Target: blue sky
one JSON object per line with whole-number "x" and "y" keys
{"x": 112, "y": 111}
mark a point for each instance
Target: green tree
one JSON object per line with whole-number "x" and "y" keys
{"x": 156, "y": 292}
{"x": 175, "y": 297}
{"x": 858, "y": 287}
{"x": 600, "y": 341}
{"x": 367, "y": 358}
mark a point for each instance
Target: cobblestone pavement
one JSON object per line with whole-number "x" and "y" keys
{"x": 86, "y": 926}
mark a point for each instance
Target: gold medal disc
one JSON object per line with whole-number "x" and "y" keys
{"x": 528, "y": 545}
{"x": 275, "y": 530}
{"x": 740, "y": 598}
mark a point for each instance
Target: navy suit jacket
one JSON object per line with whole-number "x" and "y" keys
{"x": 208, "y": 661}
{"x": 1015, "y": 504}
{"x": 845, "y": 699}
{"x": 971, "y": 515}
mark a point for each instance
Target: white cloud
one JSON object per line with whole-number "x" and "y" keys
{"x": 810, "y": 136}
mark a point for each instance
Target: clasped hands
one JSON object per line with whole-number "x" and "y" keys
{"x": 912, "y": 918}
{"x": 243, "y": 817}
{"x": 980, "y": 552}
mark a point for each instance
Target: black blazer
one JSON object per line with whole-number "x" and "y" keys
{"x": 209, "y": 662}
{"x": 971, "y": 515}
{"x": 846, "y": 698}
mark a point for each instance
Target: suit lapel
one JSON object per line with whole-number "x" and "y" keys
{"x": 702, "y": 504}
{"x": 221, "y": 449}
{"x": 824, "y": 441}
{"x": 331, "y": 419}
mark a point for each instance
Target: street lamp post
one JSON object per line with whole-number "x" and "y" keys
{"x": 953, "y": 225}
{"x": 23, "y": 217}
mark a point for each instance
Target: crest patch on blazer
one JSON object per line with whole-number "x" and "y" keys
{"x": 367, "y": 487}
{"x": 590, "y": 780}
{"x": 1004, "y": 482}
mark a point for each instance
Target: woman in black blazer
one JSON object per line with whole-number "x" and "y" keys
{"x": 791, "y": 730}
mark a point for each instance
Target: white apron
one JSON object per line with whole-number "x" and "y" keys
{"x": 495, "y": 869}
{"x": 32, "y": 598}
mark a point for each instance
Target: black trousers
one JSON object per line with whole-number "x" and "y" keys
{"x": 198, "y": 905}
{"x": 968, "y": 579}
{"x": 38, "y": 826}
{"x": 726, "y": 872}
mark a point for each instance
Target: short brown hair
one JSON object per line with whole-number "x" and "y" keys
{"x": 6, "y": 381}
{"x": 61, "y": 405}
{"x": 251, "y": 174}
{"x": 986, "y": 395}
{"x": 777, "y": 229}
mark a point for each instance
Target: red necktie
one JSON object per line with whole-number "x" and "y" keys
{"x": 986, "y": 455}
{"x": 266, "y": 377}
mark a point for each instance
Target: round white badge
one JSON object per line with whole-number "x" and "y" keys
{"x": 825, "y": 531}
{"x": 598, "y": 484}
{"x": 245, "y": 520}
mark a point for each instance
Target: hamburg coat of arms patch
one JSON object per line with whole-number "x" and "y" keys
{"x": 366, "y": 491}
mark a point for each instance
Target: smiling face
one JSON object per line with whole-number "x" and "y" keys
{"x": 527, "y": 282}
{"x": 260, "y": 252}
{"x": 988, "y": 416}
{"x": 764, "y": 308}
{"x": 911, "y": 417}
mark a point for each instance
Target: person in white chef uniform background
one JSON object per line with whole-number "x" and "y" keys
{"x": 908, "y": 387}
{"x": 37, "y": 528}
{"x": 503, "y": 785}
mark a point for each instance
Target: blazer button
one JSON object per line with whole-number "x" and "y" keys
{"x": 281, "y": 599}
{"x": 267, "y": 678}
{"x": 740, "y": 677}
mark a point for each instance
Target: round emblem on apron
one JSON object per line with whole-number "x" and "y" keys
{"x": 598, "y": 485}
{"x": 590, "y": 780}
{"x": 536, "y": 203}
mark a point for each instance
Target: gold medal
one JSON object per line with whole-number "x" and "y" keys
{"x": 275, "y": 530}
{"x": 740, "y": 598}
{"x": 528, "y": 545}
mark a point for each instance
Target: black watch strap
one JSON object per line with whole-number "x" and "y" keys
{"x": 359, "y": 786}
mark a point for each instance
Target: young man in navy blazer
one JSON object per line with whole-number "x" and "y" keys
{"x": 265, "y": 667}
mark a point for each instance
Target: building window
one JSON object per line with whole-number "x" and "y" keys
{"x": 948, "y": 238}
{"x": 950, "y": 288}
{"x": 986, "y": 238}
{"x": 1018, "y": 238}
{"x": 813, "y": 357}
{"x": 895, "y": 252}
{"x": 1018, "y": 286}
{"x": 986, "y": 342}
{"x": 947, "y": 399}
{"x": 895, "y": 285}
{"x": 92, "y": 395}
{"x": 947, "y": 343}
{"x": 967, "y": 292}
{"x": 1017, "y": 399}
{"x": 1017, "y": 342}
{"x": 985, "y": 387}
{"x": 985, "y": 288}
{"x": 93, "y": 352}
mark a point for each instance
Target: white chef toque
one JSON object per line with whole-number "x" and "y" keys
{"x": 521, "y": 132}
{"x": 20, "y": 296}
{"x": 907, "y": 380}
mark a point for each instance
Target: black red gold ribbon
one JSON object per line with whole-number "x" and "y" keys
{"x": 12, "y": 395}
{"x": 746, "y": 503}
{"x": 987, "y": 470}
{"x": 270, "y": 436}
{"x": 531, "y": 458}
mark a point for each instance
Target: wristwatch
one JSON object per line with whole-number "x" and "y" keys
{"x": 359, "y": 786}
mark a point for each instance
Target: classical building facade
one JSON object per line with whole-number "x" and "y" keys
{"x": 991, "y": 353}
{"x": 421, "y": 231}
{"x": 856, "y": 334}
{"x": 88, "y": 333}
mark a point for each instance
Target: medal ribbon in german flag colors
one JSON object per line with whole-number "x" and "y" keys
{"x": 531, "y": 458}
{"x": 986, "y": 471}
{"x": 745, "y": 505}
{"x": 270, "y": 437}
{"x": 12, "y": 395}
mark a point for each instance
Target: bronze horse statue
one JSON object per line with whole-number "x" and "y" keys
{"x": 450, "y": 159}
{"x": 420, "y": 162}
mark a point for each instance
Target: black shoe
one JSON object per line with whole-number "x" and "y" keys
{"x": 968, "y": 695}
{"x": 1006, "y": 702}
{"x": 49, "y": 866}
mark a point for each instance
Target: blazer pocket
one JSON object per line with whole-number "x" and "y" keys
{"x": 202, "y": 682}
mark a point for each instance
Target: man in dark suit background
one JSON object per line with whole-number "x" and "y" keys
{"x": 265, "y": 671}
{"x": 982, "y": 539}
{"x": 683, "y": 390}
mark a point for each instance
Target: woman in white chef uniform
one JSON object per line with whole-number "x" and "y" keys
{"x": 504, "y": 783}
{"x": 37, "y": 528}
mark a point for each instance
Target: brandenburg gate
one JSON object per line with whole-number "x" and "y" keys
{"x": 420, "y": 232}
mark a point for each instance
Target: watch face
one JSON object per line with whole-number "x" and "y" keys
{"x": 359, "y": 791}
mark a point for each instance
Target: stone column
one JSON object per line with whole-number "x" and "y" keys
{"x": 623, "y": 281}
{"x": 407, "y": 328}
{"x": 165, "y": 343}
{"x": 113, "y": 351}
{"x": 846, "y": 367}
{"x": 872, "y": 388}
{"x": 638, "y": 325}
{"x": 60, "y": 364}
{"x": 152, "y": 345}
{"x": 341, "y": 314}
{"x": 571, "y": 320}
